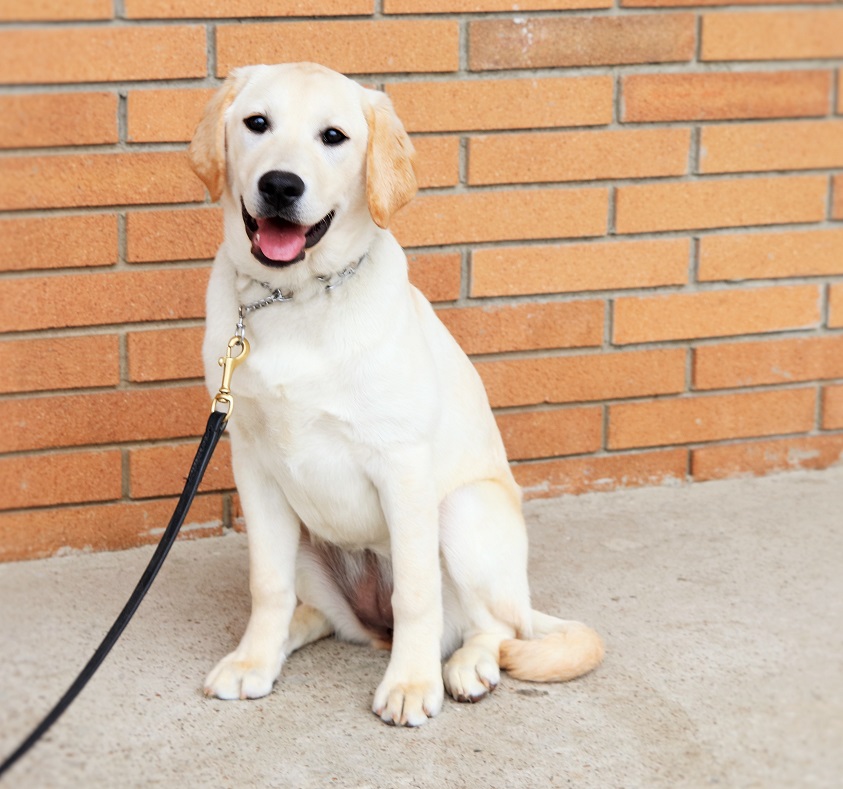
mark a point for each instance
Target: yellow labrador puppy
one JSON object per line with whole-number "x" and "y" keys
{"x": 376, "y": 491}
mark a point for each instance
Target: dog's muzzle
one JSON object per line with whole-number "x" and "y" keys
{"x": 277, "y": 241}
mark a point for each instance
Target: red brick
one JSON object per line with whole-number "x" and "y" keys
{"x": 34, "y": 365}
{"x": 577, "y": 156}
{"x": 503, "y": 103}
{"x": 720, "y": 203}
{"x": 160, "y": 470}
{"x": 801, "y": 253}
{"x": 124, "y": 297}
{"x": 104, "y": 418}
{"x": 669, "y": 3}
{"x": 554, "y": 42}
{"x": 560, "y": 268}
{"x": 724, "y": 95}
{"x": 69, "y": 180}
{"x": 799, "y": 145}
{"x": 437, "y": 161}
{"x": 166, "y": 354}
{"x": 359, "y": 47}
{"x": 772, "y": 35}
{"x": 165, "y": 114}
{"x": 525, "y": 326}
{"x": 502, "y": 215}
{"x": 756, "y": 458}
{"x": 570, "y": 379}
{"x": 66, "y": 478}
{"x": 474, "y": 6}
{"x": 716, "y": 313}
{"x": 552, "y": 478}
{"x": 837, "y": 197}
{"x": 58, "y": 242}
{"x": 835, "y": 306}
{"x": 111, "y": 54}
{"x": 216, "y": 9}
{"x": 55, "y": 10}
{"x": 769, "y": 362}
{"x": 173, "y": 234}
{"x": 46, "y": 119}
{"x": 685, "y": 420}
{"x": 832, "y": 405}
{"x": 438, "y": 276}
{"x": 544, "y": 434}
{"x": 36, "y": 534}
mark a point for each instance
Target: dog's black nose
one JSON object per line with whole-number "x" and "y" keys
{"x": 280, "y": 189}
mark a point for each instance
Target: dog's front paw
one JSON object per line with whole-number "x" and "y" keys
{"x": 410, "y": 701}
{"x": 237, "y": 678}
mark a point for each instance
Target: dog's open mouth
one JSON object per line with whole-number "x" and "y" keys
{"x": 278, "y": 242}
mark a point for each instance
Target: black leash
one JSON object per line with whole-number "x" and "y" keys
{"x": 213, "y": 432}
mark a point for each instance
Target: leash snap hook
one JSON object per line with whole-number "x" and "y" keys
{"x": 229, "y": 363}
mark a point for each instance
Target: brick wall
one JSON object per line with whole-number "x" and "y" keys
{"x": 632, "y": 218}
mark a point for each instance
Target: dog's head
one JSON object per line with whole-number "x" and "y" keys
{"x": 302, "y": 151}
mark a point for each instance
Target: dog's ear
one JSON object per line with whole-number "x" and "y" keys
{"x": 207, "y": 148}
{"x": 390, "y": 175}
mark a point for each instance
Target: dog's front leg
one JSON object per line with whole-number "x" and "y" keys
{"x": 412, "y": 689}
{"x": 273, "y": 530}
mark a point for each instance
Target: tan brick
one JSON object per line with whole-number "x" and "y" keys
{"x": 43, "y": 120}
{"x": 67, "y": 478}
{"x": 166, "y": 354}
{"x": 503, "y": 103}
{"x": 686, "y": 420}
{"x": 522, "y": 327}
{"x": 835, "y": 306}
{"x": 438, "y": 275}
{"x": 97, "y": 179}
{"x": 802, "y": 253}
{"x": 105, "y": 418}
{"x": 36, "y": 534}
{"x": 683, "y": 3}
{"x": 577, "y": 156}
{"x": 502, "y": 215}
{"x": 173, "y": 234}
{"x": 358, "y": 47}
{"x": 474, "y": 6}
{"x": 165, "y": 114}
{"x": 160, "y": 470}
{"x": 126, "y": 297}
{"x": 217, "y": 9}
{"x": 724, "y": 95}
{"x": 35, "y": 365}
{"x": 552, "y": 478}
{"x": 544, "y": 434}
{"x": 800, "y": 145}
{"x": 437, "y": 161}
{"x": 839, "y": 92}
{"x": 112, "y": 54}
{"x": 837, "y": 197}
{"x": 756, "y": 458}
{"x": 55, "y": 10}
{"x": 772, "y": 35}
{"x": 720, "y": 203}
{"x": 548, "y": 42}
{"x": 832, "y": 408}
{"x": 570, "y": 379}
{"x": 58, "y": 242}
{"x": 561, "y": 268}
{"x": 771, "y": 362}
{"x": 718, "y": 313}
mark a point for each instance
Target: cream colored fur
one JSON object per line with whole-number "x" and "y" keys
{"x": 358, "y": 415}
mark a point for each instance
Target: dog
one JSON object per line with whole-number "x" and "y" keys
{"x": 377, "y": 496}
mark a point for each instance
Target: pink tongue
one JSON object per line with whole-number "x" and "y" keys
{"x": 280, "y": 241}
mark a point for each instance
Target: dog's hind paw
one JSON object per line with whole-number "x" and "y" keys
{"x": 471, "y": 674}
{"x": 233, "y": 678}
{"x": 408, "y": 703}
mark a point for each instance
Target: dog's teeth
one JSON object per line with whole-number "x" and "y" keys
{"x": 257, "y": 238}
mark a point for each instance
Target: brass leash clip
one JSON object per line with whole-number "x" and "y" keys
{"x": 228, "y": 364}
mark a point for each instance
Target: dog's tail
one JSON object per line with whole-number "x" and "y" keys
{"x": 559, "y": 650}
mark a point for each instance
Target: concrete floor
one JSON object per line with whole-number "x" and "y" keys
{"x": 721, "y": 605}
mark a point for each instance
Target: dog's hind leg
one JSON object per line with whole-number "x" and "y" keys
{"x": 309, "y": 624}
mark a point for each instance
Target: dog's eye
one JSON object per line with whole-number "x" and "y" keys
{"x": 256, "y": 123}
{"x": 333, "y": 137}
